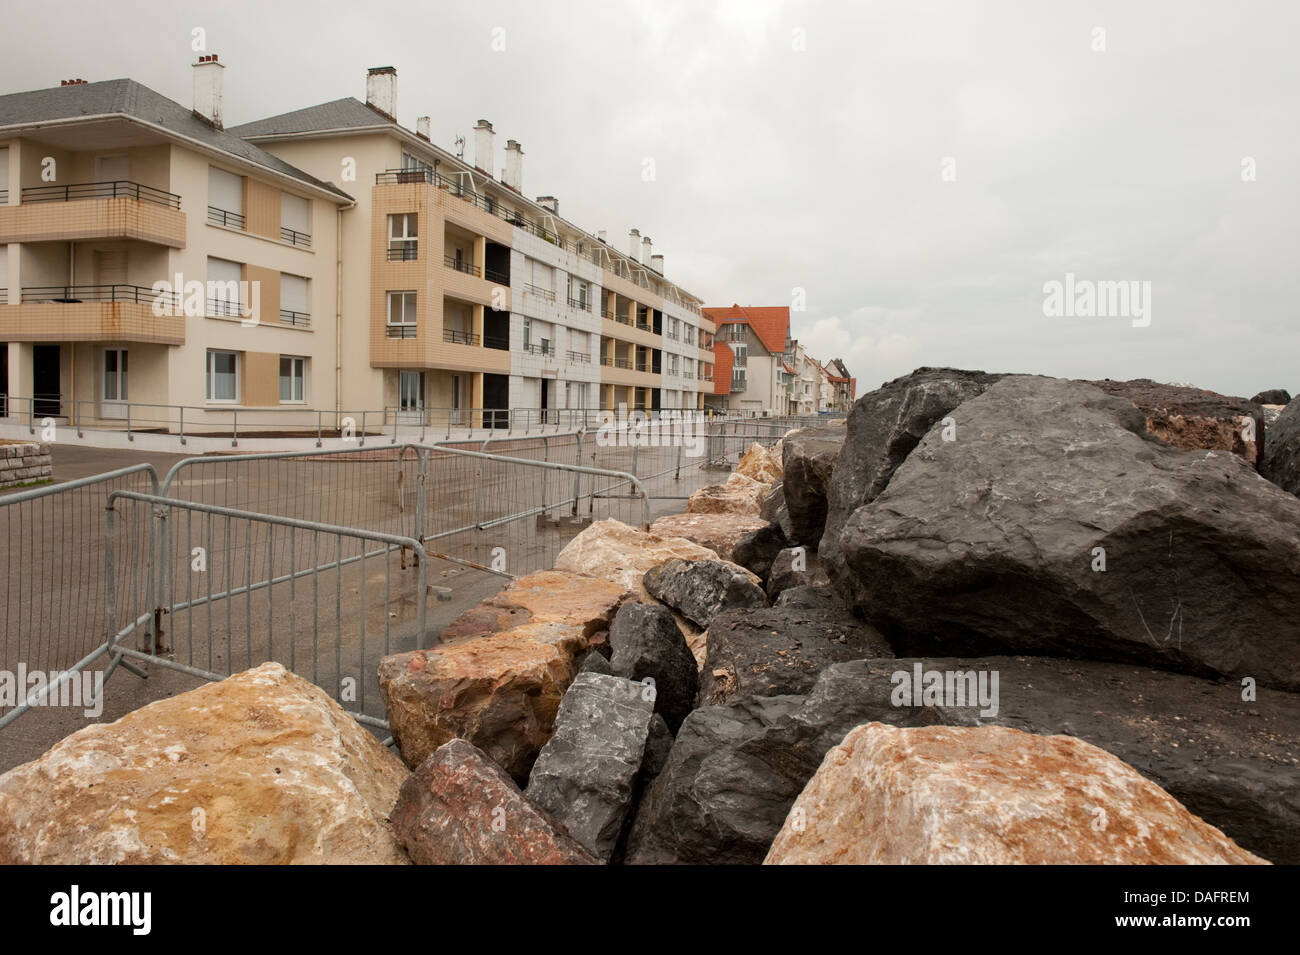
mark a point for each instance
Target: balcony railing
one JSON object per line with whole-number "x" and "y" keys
{"x": 613, "y": 362}
{"x": 400, "y": 331}
{"x": 223, "y": 217}
{"x": 608, "y": 313}
{"x": 222, "y": 306}
{"x": 499, "y": 277}
{"x": 460, "y": 265}
{"x": 581, "y": 304}
{"x": 454, "y": 186}
{"x": 579, "y": 356}
{"x": 403, "y": 253}
{"x": 497, "y": 342}
{"x": 543, "y": 293}
{"x": 540, "y": 348}
{"x": 136, "y": 294}
{"x": 300, "y": 239}
{"x": 113, "y": 189}
{"x": 457, "y": 337}
{"x": 290, "y": 317}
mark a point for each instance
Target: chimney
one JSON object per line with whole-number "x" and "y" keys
{"x": 208, "y": 89}
{"x": 514, "y": 172}
{"x": 422, "y": 127}
{"x": 72, "y": 82}
{"x": 381, "y": 90}
{"x": 483, "y": 137}
{"x": 601, "y": 235}
{"x": 634, "y": 245}
{"x": 550, "y": 202}
{"x": 657, "y": 262}
{"x": 645, "y": 250}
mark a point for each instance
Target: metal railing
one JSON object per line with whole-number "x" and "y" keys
{"x": 460, "y": 338}
{"x": 404, "y": 253}
{"x": 460, "y": 265}
{"x": 300, "y": 239}
{"x": 224, "y": 217}
{"x": 497, "y": 276}
{"x": 223, "y": 307}
{"x": 290, "y": 317}
{"x": 582, "y": 304}
{"x": 135, "y": 294}
{"x": 538, "y": 348}
{"x": 542, "y": 293}
{"x": 108, "y": 189}
{"x": 406, "y": 330}
{"x": 581, "y": 357}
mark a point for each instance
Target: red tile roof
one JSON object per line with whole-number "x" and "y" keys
{"x": 771, "y": 323}
{"x": 722, "y": 361}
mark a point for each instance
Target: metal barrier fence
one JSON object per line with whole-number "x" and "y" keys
{"x": 55, "y": 609}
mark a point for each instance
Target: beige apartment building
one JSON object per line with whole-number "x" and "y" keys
{"x": 462, "y": 294}
{"x": 150, "y": 259}
{"x": 157, "y": 265}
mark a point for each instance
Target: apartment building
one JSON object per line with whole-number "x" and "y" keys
{"x": 844, "y": 387}
{"x": 149, "y": 257}
{"x": 461, "y": 293}
{"x": 751, "y": 342}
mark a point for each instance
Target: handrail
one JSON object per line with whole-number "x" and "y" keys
{"x": 104, "y": 189}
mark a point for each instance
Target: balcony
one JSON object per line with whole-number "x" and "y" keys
{"x": 94, "y": 210}
{"x": 88, "y": 313}
{"x": 226, "y": 218}
{"x": 539, "y": 348}
{"x": 300, "y": 239}
{"x": 297, "y": 319}
{"x": 455, "y": 187}
{"x": 400, "y": 331}
{"x": 543, "y": 293}
{"x": 581, "y": 304}
{"x": 407, "y": 252}
{"x": 579, "y": 357}
{"x": 460, "y": 265}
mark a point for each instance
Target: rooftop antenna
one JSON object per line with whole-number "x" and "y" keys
{"x": 460, "y": 147}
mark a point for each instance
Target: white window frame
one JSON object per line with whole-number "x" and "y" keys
{"x": 208, "y": 377}
{"x": 299, "y": 363}
{"x": 405, "y": 238}
{"x": 389, "y": 315}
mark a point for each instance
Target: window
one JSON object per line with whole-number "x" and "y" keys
{"x": 293, "y": 300}
{"x": 225, "y": 279}
{"x": 403, "y": 241}
{"x": 741, "y": 351}
{"x": 293, "y": 379}
{"x": 410, "y": 162}
{"x": 295, "y": 220}
{"x": 223, "y": 376}
{"x": 528, "y": 332}
{"x": 225, "y": 198}
{"x": 401, "y": 314}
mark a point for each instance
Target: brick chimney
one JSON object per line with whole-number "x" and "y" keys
{"x": 550, "y": 202}
{"x": 483, "y": 146}
{"x": 381, "y": 91}
{"x": 209, "y": 90}
{"x": 514, "y": 171}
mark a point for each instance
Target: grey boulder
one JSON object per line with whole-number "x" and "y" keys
{"x": 701, "y": 589}
{"x": 647, "y": 643}
{"x": 807, "y": 459}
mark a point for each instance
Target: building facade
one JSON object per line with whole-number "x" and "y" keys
{"x": 327, "y": 258}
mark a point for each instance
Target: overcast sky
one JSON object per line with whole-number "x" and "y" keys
{"x": 804, "y": 145}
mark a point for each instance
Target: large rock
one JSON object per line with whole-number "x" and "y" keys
{"x": 587, "y": 771}
{"x": 501, "y": 689}
{"x": 761, "y": 464}
{"x": 988, "y": 796}
{"x": 261, "y": 768}
{"x": 740, "y": 495}
{"x": 720, "y": 533}
{"x": 996, "y": 540}
{"x": 622, "y": 554}
{"x": 460, "y": 808}
{"x": 810, "y": 455}
{"x": 883, "y": 427}
{"x": 809, "y": 598}
{"x": 701, "y": 589}
{"x": 756, "y": 550}
{"x": 1274, "y": 396}
{"x": 1194, "y": 419}
{"x": 1281, "y": 463}
{"x": 780, "y": 650}
{"x": 737, "y": 768}
{"x": 647, "y": 644}
{"x": 795, "y": 567}
{"x": 773, "y": 509}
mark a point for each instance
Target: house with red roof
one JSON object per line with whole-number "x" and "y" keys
{"x": 750, "y": 367}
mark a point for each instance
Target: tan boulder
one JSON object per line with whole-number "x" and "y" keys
{"x": 717, "y": 532}
{"x": 988, "y": 795}
{"x": 740, "y": 495}
{"x": 261, "y": 768}
{"x": 622, "y": 554}
{"x": 497, "y": 683}
{"x": 761, "y": 464}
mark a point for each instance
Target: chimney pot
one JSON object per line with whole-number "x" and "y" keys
{"x": 381, "y": 91}
{"x": 645, "y": 250}
{"x": 209, "y": 91}
{"x": 634, "y": 245}
{"x": 657, "y": 262}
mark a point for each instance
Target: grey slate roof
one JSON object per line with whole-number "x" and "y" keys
{"x": 134, "y": 100}
{"x": 346, "y": 113}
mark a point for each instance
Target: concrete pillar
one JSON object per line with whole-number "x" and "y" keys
{"x": 476, "y": 394}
